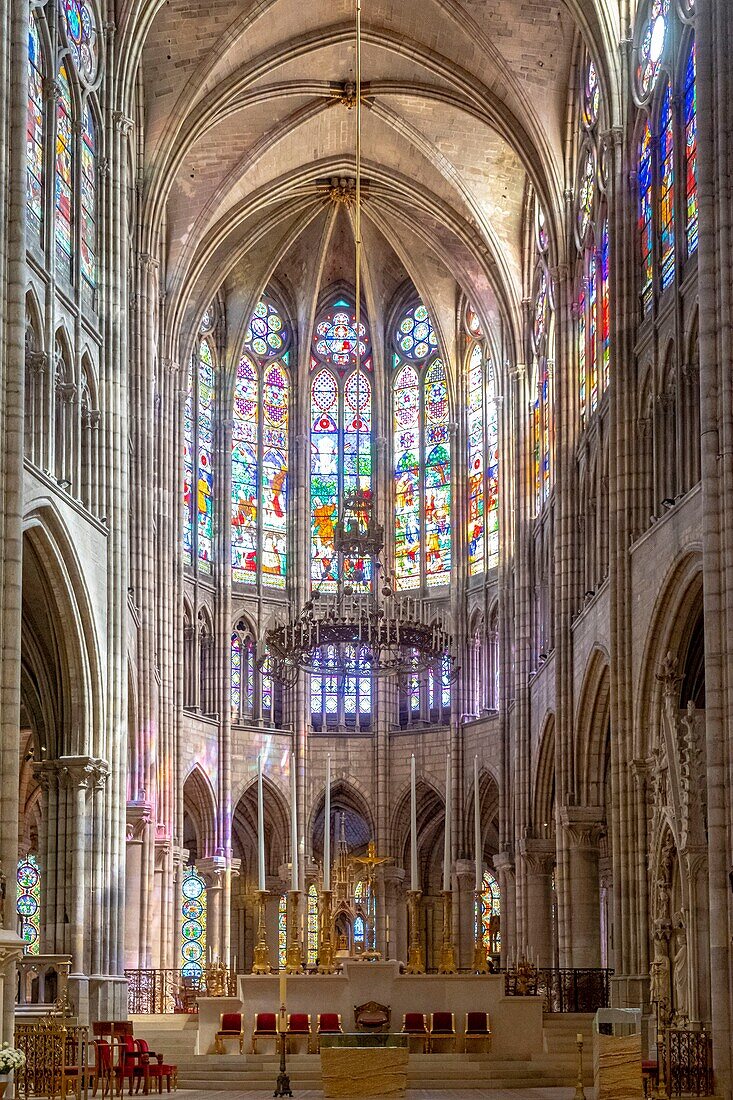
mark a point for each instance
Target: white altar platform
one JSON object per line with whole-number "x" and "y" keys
{"x": 516, "y": 1022}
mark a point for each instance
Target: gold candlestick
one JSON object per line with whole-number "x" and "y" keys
{"x": 480, "y": 959}
{"x": 261, "y": 963}
{"x": 294, "y": 957}
{"x": 416, "y": 955}
{"x": 325, "y": 940}
{"x": 447, "y": 950}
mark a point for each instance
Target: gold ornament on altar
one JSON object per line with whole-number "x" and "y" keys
{"x": 261, "y": 962}
{"x": 216, "y": 980}
{"x": 416, "y": 954}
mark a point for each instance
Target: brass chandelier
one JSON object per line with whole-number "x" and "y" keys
{"x": 363, "y": 627}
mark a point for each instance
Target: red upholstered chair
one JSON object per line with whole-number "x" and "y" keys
{"x": 160, "y": 1070}
{"x": 415, "y": 1025}
{"x": 265, "y": 1028}
{"x": 129, "y": 1060}
{"x": 329, "y": 1023}
{"x": 231, "y": 1026}
{"x": 102, "y": 1067}
{"x": 477, "y": 1028}
{"x": 442, "y": 1029}
{"x": 299, "y": 1027}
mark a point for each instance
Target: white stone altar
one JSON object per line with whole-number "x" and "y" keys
{"x": 516, "y": 1022}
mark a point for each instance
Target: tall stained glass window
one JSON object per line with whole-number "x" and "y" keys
{"x": 488, "y": 914}
{"x": 35, "y": 128}
{"x": 666, "y": 188}
{"x": 341, "y": 438}
{"x": 193, "y": 924}
{"x": 64, "y": 174}
{"x": 28, "y": 905}
{"x": 541, "y": 412}
{"x": 593, "y": 331}
{"x": 645, "y": 216}
{"x": 198, "y": 444}
{"x": 651, "y": 43}
{"x": 341, "y": 689}
{"x": 605, "y": 309}
{"x": 421, "y": 453}
{"x": 312, "y": 926}
{"x": 691, "y": 151}
{"x": 260, "y": 452}
{"x": 204, "y": 472}
{"x": 242, "y": 674}
{"x": 89, "y": 198}
{"x": 483, "y": 456}
{"x": 282, "y": 932}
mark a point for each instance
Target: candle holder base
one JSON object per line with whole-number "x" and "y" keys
{"x": 261, "y": 960}
{"x": 294, "y": 958}
{"x": 282, "y": 1085}
{"x": 448, "y": 963}
{"x": 415, "y": 960}
{"x": 480, "y": 959}
{"x": 415, "y": 955}
{"x": 579, "y": 1090}
{"x": 326, "y": 963}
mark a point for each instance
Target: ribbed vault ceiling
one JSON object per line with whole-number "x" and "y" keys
{"x": 465, "y": 101}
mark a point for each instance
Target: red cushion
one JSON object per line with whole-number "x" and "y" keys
{"x": 414, "y": 1021}
{"x": 266, "y": 1021}
{"x": 104, "y": 1055}
{"x": 231, "y": 1021}
{"x": 298, "y": 1021}
{"x": 329, "y": 1021}
{"x": 443, "y": 1021}
{"x": 477, "y": 1023}
{"x": 142, "y": 1046}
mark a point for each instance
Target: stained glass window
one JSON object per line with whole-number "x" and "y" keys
{"x": 483, "y": 463}
{"x": 64, "y": 173}
{"x": 242, "y": 689}
{"x": 605, "y": 308}
{"x": 193, "y": 924}
{"x": 651, "y": 45}
{"x": 81, "y": 35}
{"x": 593, "y": 330}
{"x": 666, "y": 187}
{"x": 591, "y": 95}
{"x": 188, "y": 445}
{"x": 282, "y": 932}
{"x": 488, "y": 907}
{"x": 645, "y": 216}
{"x": 691, "y": 151}
{"x": 582, "y": 389}
{"x": 312, "y": 927}
{"x": 34, "y": 128}
{"x": 359, "y": 934}
{"x": 89, "y": 198}
{"x": 28, "y": 905}
{"x": 586, "y": 193}
{"x": 205, "y": 478}
{"x": 341, "y": 439}
{"x": 341, "y": 689}
{"x": 260, "y": 453}
{"x": 422, "y": 455}
{"x": 541, "y": 415}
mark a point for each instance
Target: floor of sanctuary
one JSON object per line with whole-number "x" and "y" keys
{"x": 411, "y": 1094}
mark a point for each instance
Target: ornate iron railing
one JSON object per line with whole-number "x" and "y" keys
{"x": 688, "y": 1062}
{"x": 576, "y": 989}
{"x": 155, "y": 991}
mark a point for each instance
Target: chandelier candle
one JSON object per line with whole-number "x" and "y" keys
{"x": 414, "y": 884}
{"x": 260, "y": 829}
{"x": 293, "y": 823}
{"x": 477, "y": 827}
{"x": 447, "y": 831}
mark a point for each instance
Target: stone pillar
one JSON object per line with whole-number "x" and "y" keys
{"x": 392, "y": 879}
{"x": 213, "y": 869}
{"x": 504, "y": 865}
{"x": 139, "y": 816}
{"x": 464, "y": 911}
{"x": 583, "y": 827}
{"x": 538, "y": 857}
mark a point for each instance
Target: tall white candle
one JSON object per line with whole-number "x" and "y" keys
{"x": 260, "y": 829}
{"x": 477, "y": 827}
{"x": 327, "y": 829}
{"x": 447, "y": 830}
{"x": 293, "y": 823}
{"x": 414, "y": 881}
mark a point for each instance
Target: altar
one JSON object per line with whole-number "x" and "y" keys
{"x": 516, "y": 1022}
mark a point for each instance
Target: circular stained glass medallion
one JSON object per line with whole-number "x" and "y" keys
{"x": 81, "y": 35}
{"x": 416, "y": 337}
{"x": 650, "y": 49}
{"x": 266, "y": 333}
{"x": 591, "y": 95}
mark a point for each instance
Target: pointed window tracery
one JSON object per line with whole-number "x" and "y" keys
{"x": 64, "y": 175}
{"x": 28, "y": 904}
{"x": 193, "y": 924}
{"x": 198, "y": 444}
{"x": 691, "y": 150}
{"x": 35, "y": 128}
{"x": 483, "y": 457}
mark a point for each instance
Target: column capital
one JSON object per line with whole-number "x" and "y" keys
{"x": 537, "y": 854}
{"x": 504, "y": 862}
{"x": 138, "y": 815}
{"x": 212, "y": 868}
{"x": 584, "y": 825}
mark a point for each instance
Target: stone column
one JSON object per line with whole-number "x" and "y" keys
{"x": 583, "y": 827}
{"x": 464, "y": 910}
{"x": 504, "y": 865}
{"x": 538, "y": 857}
{"x": 392, "y": 880}
{"x": 139, "y": 817}
{"x": 213, "y": 869}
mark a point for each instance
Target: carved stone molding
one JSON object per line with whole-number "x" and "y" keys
{"x": 538, "y": 855}
{"x": 139, "y": 816}
{"x": 36, "y": 361}
{"x": 584, "y": 826}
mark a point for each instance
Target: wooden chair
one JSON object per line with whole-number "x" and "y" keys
{"x": 372, "y": 1016}
{"x": 415, "y": 1025}
{"x": 102, "y": 1067}
{"x": 158, "y": 1070}
{"x": 442, "y": 1029}
{"x": 265, "y": 1028}
{"x": 299, "y": 1026}
{"x": 477, "y": 1028}
{"x": 329, "y": 1023}
{"x": 231, "y": 1026}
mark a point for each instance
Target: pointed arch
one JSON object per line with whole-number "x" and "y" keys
{"x": 591, "y": 729}
{"x": 199, "y": 802}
